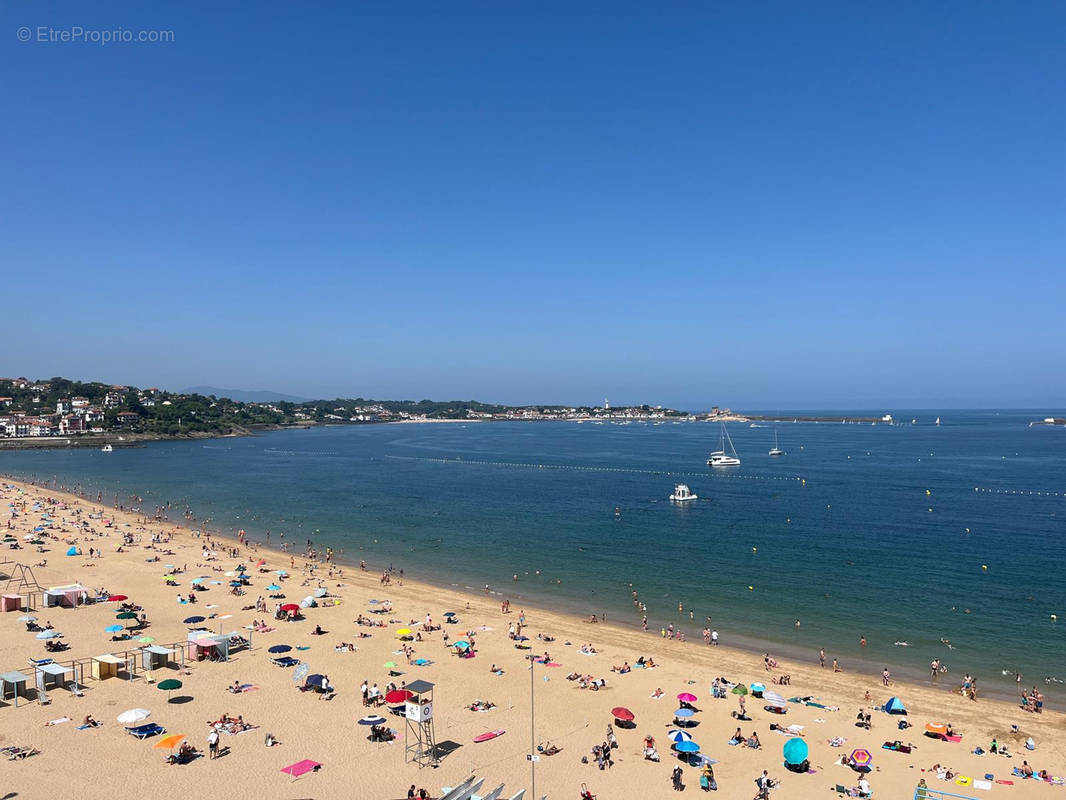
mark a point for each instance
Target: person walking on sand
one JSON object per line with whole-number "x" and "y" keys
{"x": 675, "y": 776}
{"x": 212, "y": 743}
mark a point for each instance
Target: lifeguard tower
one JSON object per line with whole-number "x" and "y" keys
{"x": 419, "y": 740}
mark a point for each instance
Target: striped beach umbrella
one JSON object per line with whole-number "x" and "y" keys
{"x": 676, "y": 736}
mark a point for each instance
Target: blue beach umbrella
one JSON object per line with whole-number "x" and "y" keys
{"x": 678, "y": 736}
{"x": 197, "y": 580}
{"x": 73, "y": 551}
{"x": 795, "y": 751}
{"x": 113, "y": 628}
{"x": 683, "y": 713}
{"x": 372, "y": 720}
{"x": 234, "y": 583}
{"x": 449, "y": 613}
{"x": 48, "y": 635}
{"x": 462, "y": 644}
{"x": 273, "y": 587}
{"x": 315, "y": 680}
{"x": 279, "y": 648}
{"x": 895, "y": 706}
{"x": 687, "y": 747}
{"x": 193, "y": 620}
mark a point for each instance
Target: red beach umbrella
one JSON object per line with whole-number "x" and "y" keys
{"x": 117, "y": 598}
{"x": 398, "y": 696}
{"x": 290, "y": 607}
{"x": 623, "y": 714}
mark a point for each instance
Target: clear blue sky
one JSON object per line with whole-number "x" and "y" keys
{"x": 760, "y": 205}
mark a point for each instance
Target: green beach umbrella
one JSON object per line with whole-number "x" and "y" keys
{"x": 168, "y": 686}
{"x": 147, "y": 639}
{"x": 390, "y": 664}
{"x": 740, "y": 689}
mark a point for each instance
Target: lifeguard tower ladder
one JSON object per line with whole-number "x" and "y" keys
{"x": 419, "y": 740}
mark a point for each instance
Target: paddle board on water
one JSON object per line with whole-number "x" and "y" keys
{"x": 489, "y": 735}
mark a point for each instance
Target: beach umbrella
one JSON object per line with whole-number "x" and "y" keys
{"x": 687, "y": 747}
{"x": 622, "y": 713}
{"x": 290, "y": 607}
{"x": 676, "y": 735}
{"x": 36, "y": 541}
{"x": 937, "y": 728}
{"x": 197, "y": 580}
{"x": 740, "y": 689}
{"x": 795, "y": 751}
{"x": 216, "y": 583}
{"x": 860, "y": 760}
{"x": 117, "y": 598}
{"x": 281, "y": 572}
{"x": 403, "y": 632}
{"x": 126, "y": 615}
{"x": 389, "y": 664}
{"x": 234, "y": 583}
{"x": 321, "y": 592}
{"x": 449, "y": 614}
{"x": 260, "y": 562}
{"x": 315, "y": 680}
{"x": 229, "y": 573}
{"x": 758, "y": 687}
{"x": 397, "y": 696}
{"x": 193, "y": 620}
{"x": 273, "y": 587}
{"x": 49, "y": 635}
{"x": 372, "y": 720}
{"x": 170, "y": 741}
{"x": 146, "y": 639}
{"x": 279, "y": 648}
{"x": 133, "y": 716}
{"x": 169, "y": 685}
{"x": 687, "y": 697}
{"x": 462, "y": 644}
{"x": 112, "y": 628}
{"x": 683, "y": 713}
{"x": 241, "y": 568}
{"x": 26, "y": 618}
{"x": 775, "y": 700}
{"x": 300, "y": 672}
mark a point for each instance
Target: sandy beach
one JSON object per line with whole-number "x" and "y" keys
{"x": 76, "y": 762}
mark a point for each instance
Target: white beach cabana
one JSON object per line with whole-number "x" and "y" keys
{"x": 106, "y": 666}
{"x": 13, "y": 680}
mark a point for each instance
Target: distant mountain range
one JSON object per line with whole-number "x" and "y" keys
{"x": 246, "y": 396}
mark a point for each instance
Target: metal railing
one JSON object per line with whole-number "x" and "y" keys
{"x": 927, "y": 793}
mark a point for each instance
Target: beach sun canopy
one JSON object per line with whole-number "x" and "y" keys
{"x": 398, "y": 696}
{"x": 192, "y": 620}
{"x": 372, "y": 720}
{"x": 684, "y": 712}
{"x": 687, "y": 747}
{"x": 938, "y": 728}
{"x": 740, "y": 689}
{"x": 687, "y": 697}
{"x": 169, "y": 685}
{"x": 860, "y": 758}
{"x": 895, "y": 706}
{"x": 795, "y": 751}
{"x": 279, "y": 648}
{"x": 622, "y": 713}
{"x": 170, "y": 741}
{"x": 678, "y": 736}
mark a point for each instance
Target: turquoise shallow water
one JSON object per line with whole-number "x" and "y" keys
{"x": 860, "y": 548}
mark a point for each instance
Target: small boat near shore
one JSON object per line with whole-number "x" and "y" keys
{"x": 776, "y": 449}
{"x": 107, "y": 448}
{"x": 682, "y": 494}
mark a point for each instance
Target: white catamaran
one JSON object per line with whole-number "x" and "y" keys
{"x": 719, "y": 458}
{"x": 776, "y": 449}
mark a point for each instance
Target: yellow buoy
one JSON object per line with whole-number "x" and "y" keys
{"x": 755, "y": 549}
{"x": 984, "y": 566}
{"x": 751, "y": 588}
{"x": 927, "y": 493}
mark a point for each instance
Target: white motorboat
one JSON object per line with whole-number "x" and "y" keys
{"x": 682, "y": 494}
{"x": 776, "y": 449}
{"x": 720, "y": 458}
{"x": 106, "y": 448}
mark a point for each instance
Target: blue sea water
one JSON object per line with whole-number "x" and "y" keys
{"x": 897, "y": 533}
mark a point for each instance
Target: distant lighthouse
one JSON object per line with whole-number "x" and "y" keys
{"x": 606, "y": 405}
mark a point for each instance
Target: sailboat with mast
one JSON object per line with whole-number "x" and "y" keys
{"x": 776, "y": 449}
{"x": 719, "y": 458}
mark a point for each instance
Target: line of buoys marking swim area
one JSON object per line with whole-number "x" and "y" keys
{"x": 1025, "y": 492}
